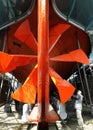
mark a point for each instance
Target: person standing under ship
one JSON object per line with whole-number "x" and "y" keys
{"x": 58, "y": 106}
{"x": 26, "y": 111}
{"x": 78, "y": 107}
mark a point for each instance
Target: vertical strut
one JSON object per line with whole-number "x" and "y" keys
{"x": 43, "y": 58}
{"x": 82, "y": 83}
{"x": 87, "y": 85}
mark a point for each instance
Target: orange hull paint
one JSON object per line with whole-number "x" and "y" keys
{"x": 65, "y": 39}
{"x": 66, "y": 43}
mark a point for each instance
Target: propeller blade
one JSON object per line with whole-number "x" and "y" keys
{"x": 65, "y": 89}
{"x": 27, "y": 93}
{"x": 55, "y": 34}
{"x": 24, "y": 34}
{"x": 74, "y": 56}
{"x": 10, "y": 62}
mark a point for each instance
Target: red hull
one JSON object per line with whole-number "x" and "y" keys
{"x": 57, "y": 47}
{"x": 67, "y": 43}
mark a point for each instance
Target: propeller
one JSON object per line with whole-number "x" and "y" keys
{"x": 65, "y": 89}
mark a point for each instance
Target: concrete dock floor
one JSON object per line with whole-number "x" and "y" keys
{"x": 12, "y": 121}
